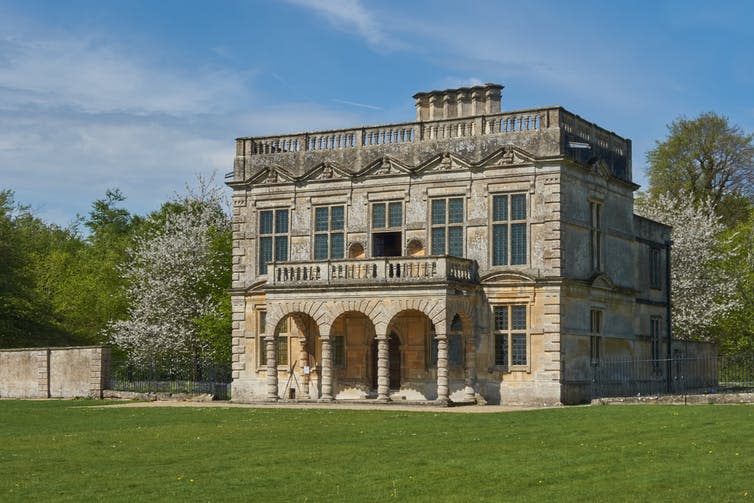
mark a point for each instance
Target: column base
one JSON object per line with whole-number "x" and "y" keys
{"x": 384, "y": 399}
{"x": 443, "y": 402}
{"x": 326, "y": 399}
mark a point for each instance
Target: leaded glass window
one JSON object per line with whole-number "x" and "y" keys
{"x": 509, "y": 235}
{"x": 329, "y": 224}
{"x": 446, "y": 229}
{"x": 510, "y": 329}
{"x": 273, "y": 237}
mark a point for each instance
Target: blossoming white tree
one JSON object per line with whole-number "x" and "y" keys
{"x": 702, "y": 291}
{"x": 170, "y": 276}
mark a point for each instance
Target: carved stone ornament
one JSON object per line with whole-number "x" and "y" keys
{"x": 446, "y": 162}
{"x": 385, "y": 167}
{"x": 272, "y": 177}
{"x": 327, "y": 172}
{"x": 508, "y": 156}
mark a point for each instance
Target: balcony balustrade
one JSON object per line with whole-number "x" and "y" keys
{"x": 378, "y": 271}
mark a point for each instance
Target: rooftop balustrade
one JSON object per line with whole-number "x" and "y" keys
{"x": 290, "y": 149}
{"x": 377, "y": 271}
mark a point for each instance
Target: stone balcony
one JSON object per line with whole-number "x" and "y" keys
{"x": 378, "y": 272}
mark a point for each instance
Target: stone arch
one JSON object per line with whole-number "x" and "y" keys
{"x": 317, "y": 310}
{"x": 415, "y": 248}
{"x": 371, "y": 308}
{"x": 433, "y": 308}
{"x": 356, "y": 250}
{"x": 462, "y": 307}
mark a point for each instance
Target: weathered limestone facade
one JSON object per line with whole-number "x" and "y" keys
{"x": 471, "y": 254}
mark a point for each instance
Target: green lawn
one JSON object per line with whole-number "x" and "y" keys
{"x": 70, "y": 451}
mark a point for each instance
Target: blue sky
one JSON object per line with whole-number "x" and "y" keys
{"x": 145, "y": 95}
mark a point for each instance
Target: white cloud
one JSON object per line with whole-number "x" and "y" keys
{"x": 86, "y": 72}
{"x": 352, "y": 17}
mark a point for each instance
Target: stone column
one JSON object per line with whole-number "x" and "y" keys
{"x": 272, "y": 369}
{"x": 442, "y": 369}
{"x": 470, "y": 369}
{"x": 303, "y": 361}
{"x": 383, "y": 369}
{"x": 327, "y": 395}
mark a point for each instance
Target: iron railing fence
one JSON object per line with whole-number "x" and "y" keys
{"x": 204, "y": 377}
{"x": 677, "y": 376}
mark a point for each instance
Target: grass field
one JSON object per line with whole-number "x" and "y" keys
{"x": 71, "y": 451}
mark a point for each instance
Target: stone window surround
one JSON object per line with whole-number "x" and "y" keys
{"x": 596, "y": 324}
{"x": 655, "y": 334}
{"x": 283, "y": 334}
{"x": 274, "y": 235}
{"x": 447, "y": 196}
{"x": 508, "y": 302}
{"x": 655, "y": 268}
{"x": 491, "y": 223}
{"x": 314, "y": 232}
{"x": 596, "y": 224}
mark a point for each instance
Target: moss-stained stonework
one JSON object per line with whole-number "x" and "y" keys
{"x": 386, "y": 317}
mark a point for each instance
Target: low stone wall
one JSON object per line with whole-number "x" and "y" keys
{"x": 54, "y": 372}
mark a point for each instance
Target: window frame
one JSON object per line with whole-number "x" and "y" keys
{"x": 508, "y": 223}
{"x": 447, "y": 225}
{"x": 456, "y": 350}
{"x": 596, "y": 235}
{"x": 282, "y": 340}
{"x": 339, "y": 340}
{"x": 655, "y": 336}
{"x": 596, "y": 321}
{"x": 329, "y": 232}
{"x": 388, "y": 227}
{"x": 510, "y": 333}
{"x": 261, "y": 342}
{"x": 655, "y": 268}
{"x": 274, "y": 236}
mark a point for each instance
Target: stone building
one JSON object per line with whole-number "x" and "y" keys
{"x": 472, "y": 253}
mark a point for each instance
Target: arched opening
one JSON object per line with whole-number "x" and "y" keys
{"x": 350, "y": 336}
{"x": 356, "y": 250}
{"x": 297, "y": 353}
{"x": 415, "y": 248}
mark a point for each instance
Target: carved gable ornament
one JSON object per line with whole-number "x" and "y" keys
{"x": 270, "y": 175}
{"x": 602, "y": 282}
{"x": 600, "y": 167}
{"x": 441, "y": 163}
{"x": 384, "y": 166}
{"x": 509, "y": 155}
{"x": 324, "y": 171}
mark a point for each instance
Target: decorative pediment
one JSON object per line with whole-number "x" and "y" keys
{"x": 384, "y": 166}
{"x": 442, "y": 162}
{"x": 272, "y": 174}
{"x": 600, "y": 167}
{"x": 510, "y": 278}
{"x": 324, "y": 171}
{"x": 602, "y": 281}
{"x": 509, "y": 155}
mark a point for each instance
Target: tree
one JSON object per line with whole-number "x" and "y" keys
{"x": 708, "y": 159}
{"x": 177, "y": 272}
{"x": 27, "y": 247}
{"x": 736, "y": 331}
{"x": 703, "y": 292}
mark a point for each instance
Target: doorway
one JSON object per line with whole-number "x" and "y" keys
{"x": 386, "y": 244}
